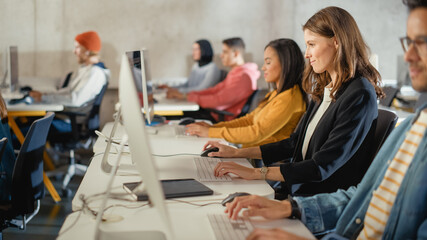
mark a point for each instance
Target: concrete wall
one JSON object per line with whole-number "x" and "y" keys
{"x": 381, "y": 22}
{"x": 44, "y": 30}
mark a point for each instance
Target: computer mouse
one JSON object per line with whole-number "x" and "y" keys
{"x": 231, "y": 197}
{"x": 28, "y": 100}
{"x": 208, "y": 150}
{"x": 186, "y": 121}
{"x": 25, "y": 99}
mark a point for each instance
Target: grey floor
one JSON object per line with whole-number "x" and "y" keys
{"x": 47, "y": 223}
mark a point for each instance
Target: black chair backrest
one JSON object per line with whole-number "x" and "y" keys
{"x": 385, "y": 124}
{"x": 27, "y": 178}
{"x": 421, "y": 100}
{"x": 390, "y": 94}
{"x": 248, "y": 104}
{"x": 67, "y": 80}
{"x": 93, "y": 118}
{"x": 3, "y": 142}
{"x": 223, "y": 75}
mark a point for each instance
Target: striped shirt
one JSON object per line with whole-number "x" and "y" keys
{"x": 384, "y": 196}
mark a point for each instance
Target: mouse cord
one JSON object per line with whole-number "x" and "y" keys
{"x": 177, "y": 154}
{"x": 194, "y": 204}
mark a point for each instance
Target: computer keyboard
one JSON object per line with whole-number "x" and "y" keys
{"x": 225, "y": 228}
{"x": 179, "y": 130}
{"x": 205, "y": 170}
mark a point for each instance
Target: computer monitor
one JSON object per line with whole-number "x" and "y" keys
{"x": 140, "y": 149}
{"x": 11, "y": 77}
{"x": 142, "y": 77}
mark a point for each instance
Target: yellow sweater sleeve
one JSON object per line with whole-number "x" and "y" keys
{"x": 268, "y": 121}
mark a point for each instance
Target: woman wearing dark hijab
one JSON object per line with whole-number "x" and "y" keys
{"x": 204, "y": 73}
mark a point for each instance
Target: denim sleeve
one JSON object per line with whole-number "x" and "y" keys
{"x": 422, "y": 230}
{"x": 321, "y": 212}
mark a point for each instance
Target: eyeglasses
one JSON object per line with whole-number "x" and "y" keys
{"x": 420, "y": 44}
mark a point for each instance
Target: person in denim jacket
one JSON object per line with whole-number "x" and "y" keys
{"x": 345, "y": 212}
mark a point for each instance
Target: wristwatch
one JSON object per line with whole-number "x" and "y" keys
{"x": 264, "y": 171}
{"x": 296, "y": 212}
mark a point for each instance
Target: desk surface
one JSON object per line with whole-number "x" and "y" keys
{"x": 188, "y": 221}
{"x": 34, "y": 107}
{"x": 164, "y": 104}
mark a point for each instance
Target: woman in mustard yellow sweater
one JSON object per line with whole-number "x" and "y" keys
{"x": 278, "y": 114}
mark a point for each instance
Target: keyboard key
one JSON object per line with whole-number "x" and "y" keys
{"x": 205, "y": 170}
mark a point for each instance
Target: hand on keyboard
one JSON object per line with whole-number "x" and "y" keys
{"x": 258, "y": 206}
{"x": 223, "y": 168}
{"x": 198, "y": 130}
{"x": 205, "y": 167}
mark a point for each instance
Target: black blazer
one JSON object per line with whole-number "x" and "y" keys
{"x": 340, "y": 150}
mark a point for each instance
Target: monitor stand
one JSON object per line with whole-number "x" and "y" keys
{"x": 102, "y": 234}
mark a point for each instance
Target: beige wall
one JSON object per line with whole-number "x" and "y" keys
{"x": 44, "y": 30}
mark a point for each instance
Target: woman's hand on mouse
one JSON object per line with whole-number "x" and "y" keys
{"x": 224, "y": 150}
{"x": 175, "y": 94}
{"x": 198, "y": 130}
{"x": 223, "y": 168}
{"x": 258, "y": 206}
{"x": 36, "y": 95}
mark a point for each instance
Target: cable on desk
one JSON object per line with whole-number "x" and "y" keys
{"x": 195, "y": 204}
{"x": 176, "y": 154}
{"x": 85, "y": 205}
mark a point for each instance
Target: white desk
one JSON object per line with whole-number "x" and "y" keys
{"x": 34, "y": 107}
{"x": 165, "y": 106}
{"x": 188, "y": 222}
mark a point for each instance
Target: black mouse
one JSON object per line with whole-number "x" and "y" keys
{"x": 25, "y": 99}
{"x": 186, "y": 121}
{"x": 26, "y": 89}
{"x": 231, "y": 197}
{"x": 208, "y": 150}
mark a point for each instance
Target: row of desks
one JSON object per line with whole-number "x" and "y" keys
{"x": 188, "y": 221}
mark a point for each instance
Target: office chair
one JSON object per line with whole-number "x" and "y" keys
{"x": 246, "y": 108}
{"x": 390, "y": 94}
{"x": 3, "y": 142}
{"x": 421, "y": 100}
{"x": 71, "y": 140}
{"x": 27, "y": 178}
{"x": 386, "y": 122}
{"x": 223, "y": 75}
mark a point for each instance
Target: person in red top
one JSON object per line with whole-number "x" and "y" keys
{"x": 232, "y": 93}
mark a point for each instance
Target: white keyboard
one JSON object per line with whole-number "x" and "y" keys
{"x": 205, "y": 170}
{"x": 225, "y": 228}
{"x": 179, "y": 130}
